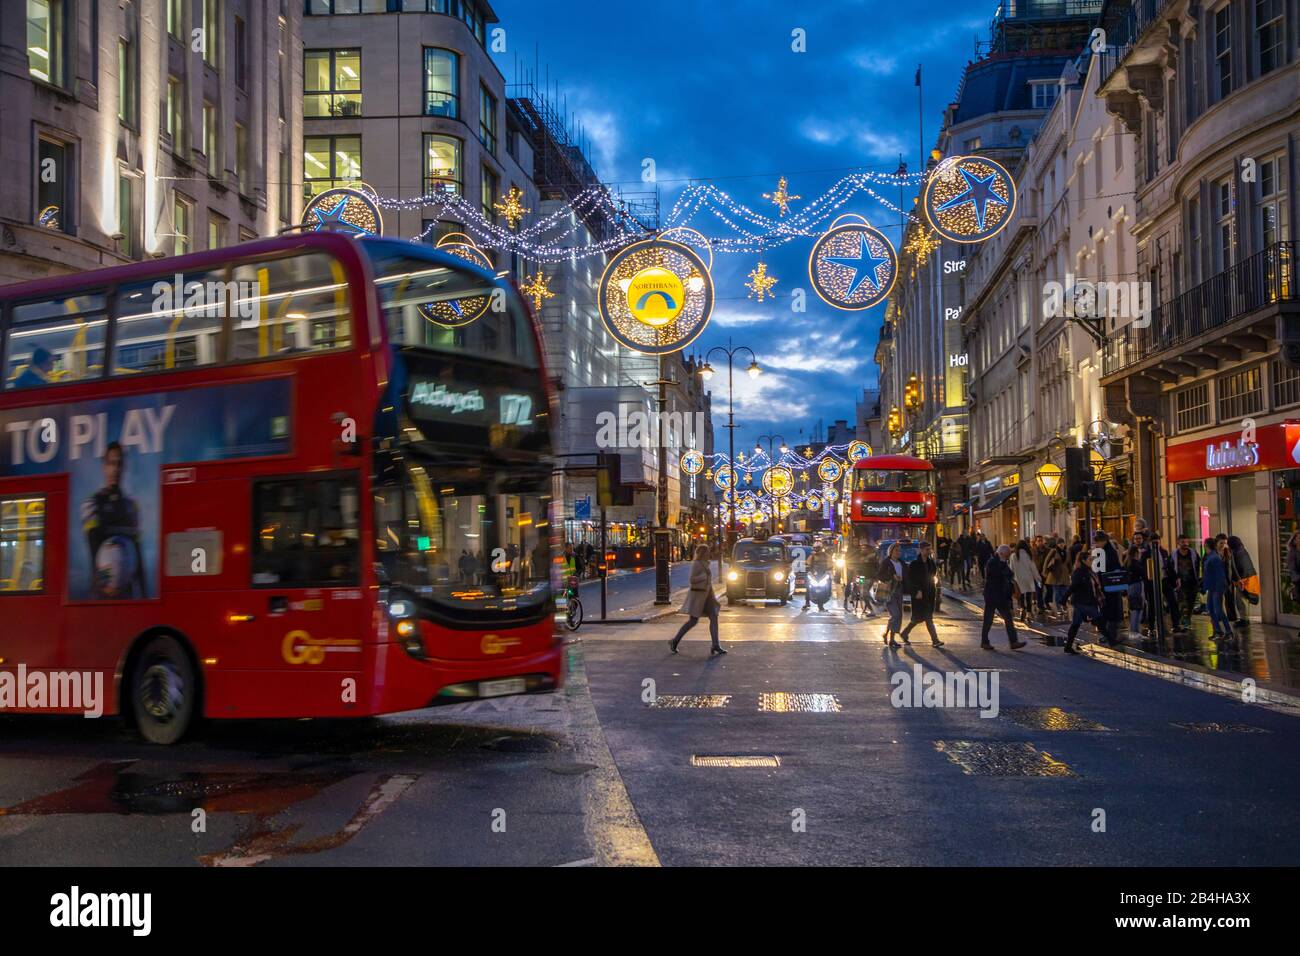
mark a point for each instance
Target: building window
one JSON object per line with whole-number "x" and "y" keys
{"x": 1223, "y": 50}
{"x": 54, "y": 179}
{"x": 436, "y": 230}
{"x": 128, "y": 89}
{"x": 175, "y": 19}
{"x": 1044, "y": 94}
{"x": 1273, "y": 224}
{"x": 1192, "y": 407}
{"x": 175, "y": 114}
{"x": 210, "y": 144}
{"x": 1240, "y": 394}
{"x": 211, "y": 36}
{"x": 241, "y": 54}
{"x": 241, "y": 158}
{"x": 45, "y": 40}
{"x": 1194, "y": 245}
{"x": 216, "y": 230}
{"x": 182, "y": 222}
{"x": 330, "y": 161}
{"x": 441, "y": 83}
{"x": 487, "y": 120}
{"x": 331, "y": 84}
{"x": 489, "y": 194}
{"x": 1269, "y": 34}
{"x": 286, "y": 183}
{"x": 126, "y": 215}
{"x": 1286, "y": 384}
{"x": 1223, "y": 233}
{"x": 22, "y": 545}
{"x": 442, "y": 165}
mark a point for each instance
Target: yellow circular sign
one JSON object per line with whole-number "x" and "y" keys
{"x": 655, "y": 296}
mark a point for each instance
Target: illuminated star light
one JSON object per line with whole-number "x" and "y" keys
{"x": 921, "y": 245}
{"x": 760, "y": 283}
{"x": 864, "y": 265}
{"x": 333, "y": 219}
{"x": 511, "y": 207}
{"x": 979, "y": 192}
{"x": 538, "y": 288}
{"x": 781, "y": 197}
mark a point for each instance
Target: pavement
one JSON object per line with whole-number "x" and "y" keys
{"x": 787, "y": 750}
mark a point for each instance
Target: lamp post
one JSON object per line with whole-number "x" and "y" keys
{"x": 771, "y": 457}
{"x": 706, "y": 371}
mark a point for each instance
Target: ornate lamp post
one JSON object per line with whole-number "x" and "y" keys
{"x": 706, "y": 371}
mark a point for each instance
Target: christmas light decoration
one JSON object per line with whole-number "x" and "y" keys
{"x": 760, "y": 283}
{"x": 781, "y": 197}
{"x": 656, "y": 296}
{"x": 348, "y": 209}
{"x": 538, "y": 288}
{"x": 510, "y": 207}
{"x": 921, "y": 245}
{"x": 969, "y": 198}
{"x": 852, "y": 266}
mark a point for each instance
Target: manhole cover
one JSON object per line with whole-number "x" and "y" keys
{"x": 531, "y": 744}
{"x": 739, "y": 760}
{"x": 1212, "y": 727}
{"x": 1050, "y": 718}
{"x": 782, "y": 703}
{"x": 690, "y": 701}
{"x": 982, "y": 759}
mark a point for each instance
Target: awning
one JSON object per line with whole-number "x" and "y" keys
{"x": 960, "y": 508}
{"x": 996, "y": 500}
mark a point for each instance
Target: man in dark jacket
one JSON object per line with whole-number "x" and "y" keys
{"x": 966, "y": 555}
{"x": 1112, "y": 611}
{"x": 918, "y": 581}
{"x": 983, "y": 551}
{"x": 999, "y": 591}
{"x": 1187, "y": 571}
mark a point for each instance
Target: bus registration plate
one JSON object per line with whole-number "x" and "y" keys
{"x": 500, "y": 688}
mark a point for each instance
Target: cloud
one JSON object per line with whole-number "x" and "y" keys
{"x": 833, "y": 133}
{"x": 874, "y": 63}
{"x": 769, "y": 398}
{"x": 603, "y": 132}
{"x": 733, "y": 316}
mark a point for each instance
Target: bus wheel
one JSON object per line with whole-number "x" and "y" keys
{"x": 163, "y": 691}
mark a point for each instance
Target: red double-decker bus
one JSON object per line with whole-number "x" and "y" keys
{"x": 893, "y": 498}
{"x": 302, "y": 477}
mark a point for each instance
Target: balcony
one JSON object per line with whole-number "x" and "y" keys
{"x": 1124, "y": 29}
{"x": 1219, "y": 320}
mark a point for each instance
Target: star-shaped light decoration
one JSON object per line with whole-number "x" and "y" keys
{"x": 864, "y": 265}
{"x": 978, "y": 192}
{"x": 510, "y": 207}
{"x": 760, "y": 283}
{"x": 331, "y": 220}
{"x": 922, "y": 244}
{"x": 538, "y": 288}
{"x": 807, "y": 452}
{"x": 781, "y": 197}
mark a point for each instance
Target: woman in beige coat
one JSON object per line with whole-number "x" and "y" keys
{"x": 700, "y": 601}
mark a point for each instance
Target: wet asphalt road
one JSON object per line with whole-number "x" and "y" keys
{"x": 601, "y": 776}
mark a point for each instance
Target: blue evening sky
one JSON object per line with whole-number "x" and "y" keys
{"x": 712, "y": 91}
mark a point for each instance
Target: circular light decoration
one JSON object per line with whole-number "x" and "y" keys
{"x": 724, "y": 477}
{"x": 692, "y": 461}
{"x": 453, "y": 313}
{"x": 353, "y": 210}
{"x": 748, "y": 504}
{"x": 831, "y": 494}
{"x": 969, "y": 198}
{"x": 858, "y": 450}
{"x": 778, "y": 481}
{"x": 656, "y": 295}
{"x": 853, "y": 265}
{"x": 813, "y": 502}
{"x": 829, "y": 469}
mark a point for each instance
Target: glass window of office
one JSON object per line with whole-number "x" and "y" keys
{"x": 442, "y": 165}
{"x": 45, "y": 40}
{"x": 1273, "y": 224}
{"x": 54, "y": 185}
{"x": 126, "y": 214}
{"x": 488, "y": 197}
{"x": 183, "y": 222}
{"x": 441, "y": 83}
{"x": 128, "y": 89}
{"x": 1269, "y": 35}
{"x": 331, "y": 83}
{"x": 330, "y": 161}
{"x": 487, "y": 120}
{"x": 1222, "y": 30}
{"x": 211, "y": 36}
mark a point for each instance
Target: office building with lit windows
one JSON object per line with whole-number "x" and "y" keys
{"x": 138, "y": 128}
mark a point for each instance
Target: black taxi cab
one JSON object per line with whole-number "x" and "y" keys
{"x": 759, "y": 571}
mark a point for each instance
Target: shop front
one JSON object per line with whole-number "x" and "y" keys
{"x": 997, "y": 508}
{"x": 1244, "y": 483}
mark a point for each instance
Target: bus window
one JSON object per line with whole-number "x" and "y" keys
{"x": 58, "y": 340}
{"x": 290, "y": 306}
{"x": 22, "y": 545}
{"x": 866, "y": 479}
{"x": 306, "y": 532}
{"x": 163, "y": 325}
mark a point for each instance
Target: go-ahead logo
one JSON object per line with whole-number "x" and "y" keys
{"x": 655, "y": 296}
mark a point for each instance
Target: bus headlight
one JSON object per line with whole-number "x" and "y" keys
{"x": 400, "y": 608}
{"x": 733, "y": 576}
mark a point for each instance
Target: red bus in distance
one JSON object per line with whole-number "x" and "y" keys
{"x": 306, "y": 476}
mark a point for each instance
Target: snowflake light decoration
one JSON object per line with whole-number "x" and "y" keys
{"x": 781, "y": 197}
{"x": 510, "y": 207}
{"x": 538, "y": 288}
{"x": 760, "y": 283}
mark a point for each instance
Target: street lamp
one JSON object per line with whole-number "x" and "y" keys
{"x": 1049, "y": 478}
{"x": 707, "y": 372}
{"x": 758, "y": 447}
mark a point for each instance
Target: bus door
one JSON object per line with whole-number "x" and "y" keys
{"x": 33, "y": 543}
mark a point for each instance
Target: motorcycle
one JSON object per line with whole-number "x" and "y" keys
{"x": 819, "y": 589}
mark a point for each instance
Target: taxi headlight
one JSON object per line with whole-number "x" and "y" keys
{"x": 733, "y": 576}
{"x": 839, "y": 562}
{"x": 778, "y": 575}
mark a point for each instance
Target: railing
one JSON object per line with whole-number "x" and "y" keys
{"x": 1124, "y": 30}
{"x": 1266, "y": 278}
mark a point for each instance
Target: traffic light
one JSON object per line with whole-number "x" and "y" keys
{"x": 610, "y": 490}
{"x": 1079, "y": 483}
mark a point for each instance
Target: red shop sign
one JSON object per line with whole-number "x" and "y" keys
{"x": 1273, "y": 447}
